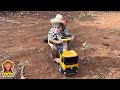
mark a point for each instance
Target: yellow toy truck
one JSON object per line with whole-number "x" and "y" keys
{"x": 68, "y": 60}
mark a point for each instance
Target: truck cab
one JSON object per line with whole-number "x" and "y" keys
{"x": 68, "y": 62}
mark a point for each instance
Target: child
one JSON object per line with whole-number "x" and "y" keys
{"x": 57, "y": 32}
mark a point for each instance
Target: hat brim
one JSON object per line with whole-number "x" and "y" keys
{"x": 55, "y": 20}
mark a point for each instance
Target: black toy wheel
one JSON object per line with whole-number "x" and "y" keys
{"x": 60, "y": 69}
{"x": 51, "y": 54}
{"x": 45, "y": 39}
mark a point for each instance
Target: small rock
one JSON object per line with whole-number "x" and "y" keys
{"x": 118, "y": 54}
{"x": 6, "y": 57}
{"x": 42, "y": 49}
{"x": 105, "y": 37}
{"x": 110, "y": 74}
{"x": 22, "y": 77}
{"x": 87, "y": 61}
{"x": 105, "y": 44}
{"x": 91, "y": 72}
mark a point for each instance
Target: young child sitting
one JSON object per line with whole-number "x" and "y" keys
{"x": 55, "y": 35}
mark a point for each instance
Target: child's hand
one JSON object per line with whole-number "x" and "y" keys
{"x": 60, "y": 41}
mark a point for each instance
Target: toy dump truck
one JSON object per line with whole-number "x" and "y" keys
{"x": 68, "y": 59}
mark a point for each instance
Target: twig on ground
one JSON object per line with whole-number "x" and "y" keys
{"x": 84, "y": 47}
{"x": 22, "y": 69}
{"x": 11, "y": 21}
{"x": 22, "y": 76}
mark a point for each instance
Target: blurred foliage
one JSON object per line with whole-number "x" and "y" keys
{"x": 85, "y": 15}
{"x": 6, "y": 13}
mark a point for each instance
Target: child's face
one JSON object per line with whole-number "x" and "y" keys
{"x": 57, "y": 28}
{"x": 8, "y": 66}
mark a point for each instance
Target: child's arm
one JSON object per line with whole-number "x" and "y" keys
{"x": 56, "y": 42}
{"x": 51, "y": 38}
{"x": 66, "y": 33}
{"x": 69, "y": 35}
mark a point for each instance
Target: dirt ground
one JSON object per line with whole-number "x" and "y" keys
{"x": 21, "y": 40}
